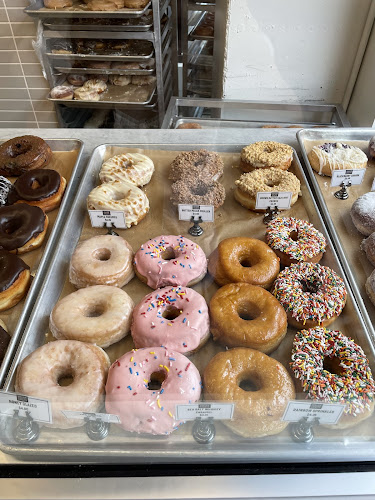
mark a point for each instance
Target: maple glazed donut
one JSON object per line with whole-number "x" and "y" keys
{"x": 129, "y": 392}
{"x": 336, "y": 156}
{"x": 97, "y": 314}
{"x": 23, "y": 153}
{"x": 132, "y": 167}
{"x": 311, "y": 294}
{"x": 14, "y": 279}
{"x": 170, "y": 261}
{"x": 332, "y": 368}
{"x": 259, "y": 386}
{"x": 39, "y": 374}
{"x": 102, "y": 260}
{"x": 173, "y": 317}
{"x": 244, "y": 315}
{"x": 362, "y": 213}
{"x": 196, "y": 164}
{"x": 266, "y": 154}
{"x": 244, "y": 260}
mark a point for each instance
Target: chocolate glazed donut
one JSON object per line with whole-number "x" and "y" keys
{"x": 14, "y": 279}
{"x": 22, "y": 154}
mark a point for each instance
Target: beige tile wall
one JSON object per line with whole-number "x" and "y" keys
{"x": 22, "y": 86}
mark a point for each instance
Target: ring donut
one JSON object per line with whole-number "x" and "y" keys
{"x": 23, "y": 153}
{"x": 197, "y": 164}
{"x": 266, "y": 154}
{"x": 14, "y": 279}
{"x": 198, "y": 191}
{"x": 132, "y": 167}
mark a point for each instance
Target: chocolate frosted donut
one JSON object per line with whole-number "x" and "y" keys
{"x": 6, "y": 189}
{"x": 198, "y": 191}
{"x": 196, "y": 163}
{"x": 22, "y": 154}
{"x": 4, "y": 340}
{"x": 14, "y": 279}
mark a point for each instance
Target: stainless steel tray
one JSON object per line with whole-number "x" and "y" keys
{"x": 89, "y": 57}
{"x": 193, "y": 35}
{"x": 149, "y": 69}
{"x": 73, "y": 445}
{"x": 55, "y": 145}
{"x": 38, "y": 10}
{"x": 66, "y": 26}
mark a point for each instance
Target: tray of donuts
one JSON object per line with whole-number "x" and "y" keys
{"x": 38, "y": 180}
{"x": 151, "y": 317}
{"x": 87, "y": 8}
{"x": 204, "y": 29}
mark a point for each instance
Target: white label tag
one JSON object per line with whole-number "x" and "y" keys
{"x": 82, "y": 415}
{"x": 186, "y": 212}
{"x": 39, "y": 409}
{"x": 217, "y": 411}
{"x": 373, "y": 185}
{"x": 328, "y": 413}
{"x": 355, "y": 177}
{"x": 279, "y": 199}
{"x": 102, "y": 218}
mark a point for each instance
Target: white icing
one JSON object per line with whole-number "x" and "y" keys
{"x": 340, "y": 157}
{"x": 132, "y": 167}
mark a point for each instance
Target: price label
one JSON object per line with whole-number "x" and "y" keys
{"x": 102, "y": 218}
{"x": 39, "y": 409}
{"x": 355, "y": 177}
{"x": 186, "y": 212}
{"x": 82, "y": 415}
{"x": 328, "y": 413}
{"x": 279, "y": 199}
{"x": 216, "y": 411}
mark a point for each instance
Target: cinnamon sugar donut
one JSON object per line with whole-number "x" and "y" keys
{"x": 195, "y": 164}
{"x": 198, "y": 191}
{"x": 266, "y": 154}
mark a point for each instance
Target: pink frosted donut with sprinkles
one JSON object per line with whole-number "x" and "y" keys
{"x": 144, "y": 386}
{"x": 311, "y": 294}
{"x": 295, "y": 240}
{"x": 174, "y": 317}
{"x": 333, "y": 368}
{"x": 170, "y": 261}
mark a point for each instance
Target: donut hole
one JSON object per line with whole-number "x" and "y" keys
{"x": 248, "y": 311}
{"x": 332, "y": 365}
{"x": 171, "y": 313}
{"x": 250, "y": 383}
{"x": 294, "y": 235}
{"x": 168, "y": 254}
{"x": 94, "y": 310}
{"x": 156, "y": 381}
{"x": 102, "y": 254}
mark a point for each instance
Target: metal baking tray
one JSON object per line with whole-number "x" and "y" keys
{"x": 149, "y": 69}
{"x": 64, "y": 25}
{"x": 193, "y": 35}
{"x": 202, "y": 91}
{"x": 72, "y": 185}
{"x": 73, "y": 445}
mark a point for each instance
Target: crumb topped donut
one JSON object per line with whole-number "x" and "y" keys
{"x": 198, "y": 191}
{"x": 266, "y": 154}
{"x": 132, "y": 167}
{"x": 336, "y": 156}
{"x": 197, "y": 164}
{"x": 363, "y": 213}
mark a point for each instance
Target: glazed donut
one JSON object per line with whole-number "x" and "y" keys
{"x": 371, "y": 149}
{"x": 370, "y": 287}
{"x": 22, "y": 228}
{"x": 244, "y": 315}
{"x": 24, "y": 153}
{"x": 143, "y": 80}
{"x": 14, "y": 279}
{"x": 244, "y": 260}
{"x": 200, "y": 163}
{"x": 40, "y": 372}
{"x": 189, "y": 125}
{"x": 363, "y": 213}
{"x": 6, "y": 189}
{"x": 102, "y": 260}
{"x": 4, "y": 340}
{"x": 124, "y": 196}
{"x": 173, "y": 317}
{"x": 311, "y": 294}
{"x": 198, "y": 191}
{"x": 267, "y": 180}
{"x": 333, "y": 368}
{"x": 97, "y": 314}
{"x": 170, "y": 261}
{"x": 266, "y": 154}
{"x": 62, "y": 92}
{"x": 135, "y": 4}
{"x": 336, "y": 156}
{"x": 368, "y": 246}
{"x": 57, "y": 4}
{"x": 294, "y": 240}
{"x": 82, "y": 94}
{"x": 132, "y": 167}
{"x": 120, "y": 80}
{"x": 259, "y": 386}
{"x": 43, "y": 188}
{"x": 130, "y": 394}
{"x": 76, "y": 80}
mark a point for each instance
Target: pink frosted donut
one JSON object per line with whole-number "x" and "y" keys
{"x": 170, "y": 261}
{"x": 141, "y": 407}
{"x": 174, "y": 317}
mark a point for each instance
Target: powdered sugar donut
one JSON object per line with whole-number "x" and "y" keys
{"x": 131, "y": 167}
{"x": 336, "y": 156}
{"x": 363, "y": 213}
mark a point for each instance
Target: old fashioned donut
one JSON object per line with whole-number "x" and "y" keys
{"x": 244, "y": 260}
{"x": 14, "y": 279}
{"x": 311, "y": 294}
{"x": 371, "y": 149}
{"x": 363, "y": 213}
{"x": 97, "y": 314}
{"x": 63, "y": 92}
{"x": 57, "y": 4}
{"x": 124, "y": 196}
{"x": 266, "y": 154}
{"x": 267, "y": 180}
{"x": 132, "y": 167}
{"x": 170, "y": 261}
{"x": 39, "y": 374}
{"x": 144, "y": 386}
{"x": 4, "y": 340}
{"x": 202, "y": 163}
{"x": 198, "y": 191}
{"x": 23, "y": 153}
{"x": 333, "y": 368}
{"x": 6, "y": 189}
{"x": 102, "y": 260}
{"x": 336, "y": 156}
{"x": 22, "y": 227}
{"x": 244, "y": 315}
{"x": 294, "y": 240}
{"x": 173, "y": 317}
{"x": 259, "y": 386}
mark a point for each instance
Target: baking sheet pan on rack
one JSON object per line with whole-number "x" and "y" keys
{"x": 230, "y": 220}
{"x": 144, "y": 69}
{"x": 126, "y": 25}
{"x": 79, "y": 9}
{"x": 102, "y": 57}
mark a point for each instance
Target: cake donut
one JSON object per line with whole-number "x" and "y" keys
{"x": 311, "y": 294}
{"x": 4, "y": 340}
{"x": 97, "y": 314}
{"x": 245, "y": 260}
{"x": 173, "y": 317}
{"x": 123, "y": 196}
{"x": 268, "y": 180}
{"x": 259, "y": 386}
{"x": 131, "y": 167}
{"x": 336, "y": 156}
{"x": 200, "y": 163}
{"x": 23, "y": 153}
{"x": 170, "y": 261}
{"x": 371, "y": 149}
{"x": 198, "y": 191}
{"x": 6, "y": 189}
{"x": 22, "y": 228}
{"x": 62, "y": 92}
{"x": 102, "y": 260}
{"x": 130, "y": 393}
{"x": 244, "y": 315}
{"x": 368, "y": 246}
{"x": 14, "y": 279}
{"x": 332, "y": 368}
{"x": 363, "y": 213}
{"x": 39, "y": 374}
{"x": 266, "y": 154}
{"x": 294, "y": 240}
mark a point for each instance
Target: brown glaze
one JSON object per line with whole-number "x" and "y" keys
{"x": 24, "y": 153}
{"x": 35, "y": 185}
{"x": 18, "y": 224}
{"x": 11, "y": 267}
{"x": 4, "y": 342}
